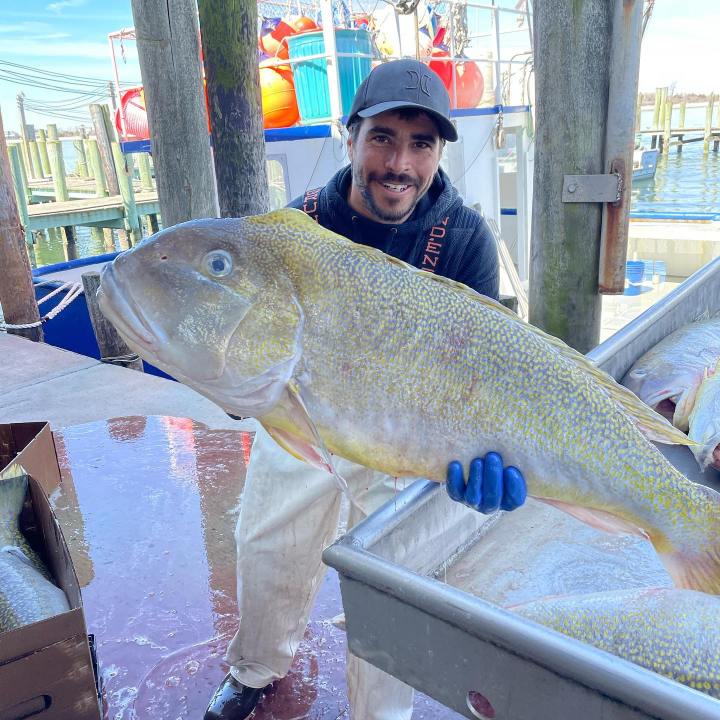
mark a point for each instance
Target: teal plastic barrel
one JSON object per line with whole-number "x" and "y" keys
{"x": 310, "y": 76}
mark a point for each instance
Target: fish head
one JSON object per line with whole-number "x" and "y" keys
{"x": 666, "y": 384}
{"x": 208, "y": 304}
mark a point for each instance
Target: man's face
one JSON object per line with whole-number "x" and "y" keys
{"x": 394, "y": 159}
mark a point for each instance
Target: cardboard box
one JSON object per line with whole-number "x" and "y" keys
{"x": 46, "y": 668}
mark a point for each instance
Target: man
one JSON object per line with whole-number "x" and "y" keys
{"x": 392, "y": 196}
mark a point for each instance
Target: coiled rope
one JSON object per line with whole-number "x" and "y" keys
{"x": 73, "y": 290}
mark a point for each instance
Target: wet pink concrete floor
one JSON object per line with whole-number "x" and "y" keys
{"x": 148, "y": 507}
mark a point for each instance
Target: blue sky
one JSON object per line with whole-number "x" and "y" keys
{"x": 681, "y": 46}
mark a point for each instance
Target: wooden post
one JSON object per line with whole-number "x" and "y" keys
{"x": 228, "y": 29}
{"x": 20, "y": 190}
{"x": 708, "y": 124}
{"x": 42, "y": 149}
{"x": 167, "y": 34}
{"x": 572, "y": 57}
{"x": 681, "y": 118}
{"x": 132, "y": 219}
{"x": 17, "y": 294}
{"x": 113, "y": 348}
{"x": 667, "y": 129}
{"x": 35, "y": 154}
{"x": 52, "y": 132}
{"x": 97, "y": 170}
{"x": 104, "y": 135}
{"x": 81, "y": 166}
{"x": 19, "y": 169}
{"x": 57, "y": 167}
{"x": 143, "y": 161}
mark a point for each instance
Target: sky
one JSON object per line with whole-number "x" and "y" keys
{"x": 57, "y": 38}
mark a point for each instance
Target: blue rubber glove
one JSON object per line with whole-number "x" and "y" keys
{"x": 490, "y": 486}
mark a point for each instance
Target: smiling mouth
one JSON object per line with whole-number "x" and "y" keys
{"x": 395, "y": 187}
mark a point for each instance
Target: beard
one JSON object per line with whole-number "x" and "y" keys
{"x": 386, "y": 214}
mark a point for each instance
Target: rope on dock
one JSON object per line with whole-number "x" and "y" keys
{"x": 73, "y": 290}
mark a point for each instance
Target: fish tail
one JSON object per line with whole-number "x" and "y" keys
{"x": 697, "y": 571}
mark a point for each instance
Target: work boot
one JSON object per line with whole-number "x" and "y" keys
{"x": 233, "y": 700}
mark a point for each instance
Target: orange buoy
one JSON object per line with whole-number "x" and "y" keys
{"x": 279, "y": 103}
{"x": 302, "y": 23}
{"x": 271, "y": 42}
{"x": 469, "y": 84}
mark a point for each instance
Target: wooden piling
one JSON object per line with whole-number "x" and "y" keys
{"x": 19, "y": 169}
{"x": 42, "y": 149}
{"x": 21, "y": 189}
{"x": 35, "y": 153}
{"x": 113, "y": 348}
{"x": 143, "y": 163}
{"x": 104, "y": 135}
{"x": 17, "y": 294}
{"x": 57, "y": 167}
{"x": 52, "y": 132}
{"x": 708, "y": 124}
{"x": 96, "y": 168}
{"x": 667, "y": 126}
{"x": 81, "y": 166}
{"x": 132, "y": 219}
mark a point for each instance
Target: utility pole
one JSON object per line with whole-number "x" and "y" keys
{"x": 572, "y": 52}
{"x": 20, "y": 97}
{"x": 229, "y": 40}
{"x": 111, "y": 95}
{"x": 169, "y": 52}
{"x": 17, "y": 294}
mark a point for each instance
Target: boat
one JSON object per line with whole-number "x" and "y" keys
{"x": 644, "y": 163}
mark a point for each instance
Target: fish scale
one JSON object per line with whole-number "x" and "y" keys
{"x": 673, "y": 632}
{"x": 338, "y": 347}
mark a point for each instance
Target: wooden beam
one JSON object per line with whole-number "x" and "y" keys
{"x": 113, "y": 348}
{"x": 228, "y": 29}
{"x": 167, "y": 33}
{"x": 17, "y": 294}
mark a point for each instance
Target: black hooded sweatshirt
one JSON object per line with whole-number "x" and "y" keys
{"x": 442, "y": 235}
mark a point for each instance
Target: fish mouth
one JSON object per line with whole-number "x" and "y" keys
{"x": 125, "y": 314}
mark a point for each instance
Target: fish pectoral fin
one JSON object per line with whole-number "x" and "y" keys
{"x": 314, "y": 453}
{"x": 599, "y": 519}
{"x": 297, "y": 447}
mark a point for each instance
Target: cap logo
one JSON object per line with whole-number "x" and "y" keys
{"x": 418, "y": 81}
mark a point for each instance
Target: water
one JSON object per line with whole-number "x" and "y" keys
{"x": 686, "y": 183}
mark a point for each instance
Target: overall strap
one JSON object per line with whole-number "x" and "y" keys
{"x": 434, "y": 246}
{"x": 310, "y": 203}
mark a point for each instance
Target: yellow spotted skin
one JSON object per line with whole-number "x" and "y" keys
{"x": 402, "y": 371}
{"x": 674, "y": 632}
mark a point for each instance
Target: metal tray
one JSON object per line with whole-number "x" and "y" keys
{"x": 409, "y": 611}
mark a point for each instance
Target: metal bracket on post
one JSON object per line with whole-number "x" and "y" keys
{"x": 592, "y": 188}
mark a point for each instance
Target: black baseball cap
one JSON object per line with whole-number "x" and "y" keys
{"x": 404, "y": 84}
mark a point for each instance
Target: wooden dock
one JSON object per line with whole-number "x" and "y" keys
{"x": 107, "y": 191}
{"x": 105, "y": 212}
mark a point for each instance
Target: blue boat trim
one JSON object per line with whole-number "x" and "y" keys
{"x": 494, "y": 110}
{"x": 297, "y": 133}
{"x": 70, "y": 264}
{"x": 508, "y": 211}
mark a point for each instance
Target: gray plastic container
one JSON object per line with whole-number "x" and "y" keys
{"x": 467, "y": 652}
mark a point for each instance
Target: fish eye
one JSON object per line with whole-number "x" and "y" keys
{"x": 218, "y": 263}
